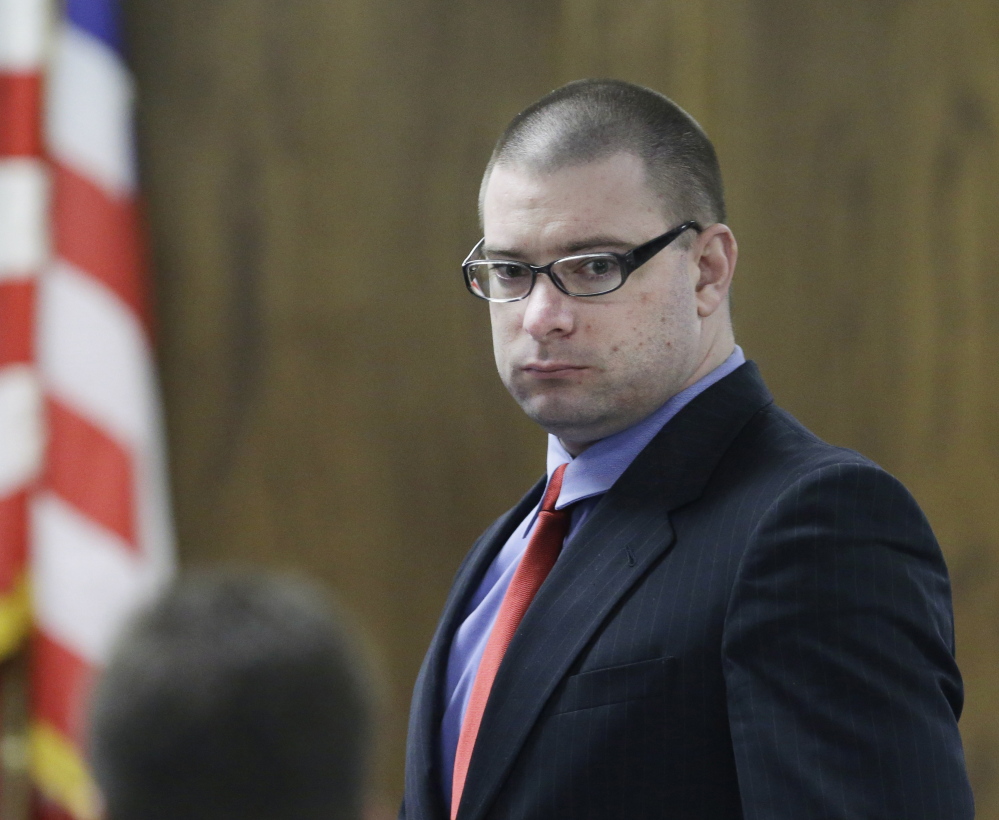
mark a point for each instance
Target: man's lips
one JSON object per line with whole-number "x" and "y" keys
{"x": 543, "y": 370}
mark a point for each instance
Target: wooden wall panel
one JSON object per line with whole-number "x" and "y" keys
{"x": 312, "y": 171}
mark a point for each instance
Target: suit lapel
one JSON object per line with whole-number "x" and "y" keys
{"x": 627, "y": 532}
{"x": 586, "y": 582}
{"x": 423, "y": 782}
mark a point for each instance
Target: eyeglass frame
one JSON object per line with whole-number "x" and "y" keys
{"x": 630, "y": 262}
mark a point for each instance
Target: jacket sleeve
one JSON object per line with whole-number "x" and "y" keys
{"x": 838, "y": 657}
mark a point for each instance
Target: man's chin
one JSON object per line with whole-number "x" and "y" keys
{"x": 567, "y": 422}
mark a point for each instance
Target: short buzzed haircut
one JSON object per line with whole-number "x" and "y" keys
{"x": 590, "y": 120}
{"x": 234, "y": 697}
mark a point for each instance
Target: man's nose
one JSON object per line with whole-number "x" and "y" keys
{"x": 548, "y": 310}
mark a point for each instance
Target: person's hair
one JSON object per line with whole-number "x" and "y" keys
{"x": 590, "y": 120}
{"x": 236, "y": 696}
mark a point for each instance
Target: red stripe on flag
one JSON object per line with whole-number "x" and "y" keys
{"x": 60, "y": 686}
{"x": 13, "y": 538}
{"x": 101, "y": 235}
{"x": 20, "y": 115}
{"x": 90, "y": 470}
{"x": 17, "y": 312}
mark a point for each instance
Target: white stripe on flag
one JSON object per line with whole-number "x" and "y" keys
{"x": 23, "y": 29}
{"x": 23, "y": 218}
{"x": 20, "y": 427}
{"x": 93, "y": 355}
{"x": 88, "y": 123}
{"x": 85, "y": 582}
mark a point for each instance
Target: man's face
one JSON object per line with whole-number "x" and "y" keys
{"x": 585, "y": 368}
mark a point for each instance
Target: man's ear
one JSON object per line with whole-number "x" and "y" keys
{"x": 717, "y": 253}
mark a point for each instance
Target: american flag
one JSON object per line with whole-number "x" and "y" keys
{"x": 82, "y": 477}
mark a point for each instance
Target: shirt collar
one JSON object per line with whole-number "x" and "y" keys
{"x": 595, "y": 470}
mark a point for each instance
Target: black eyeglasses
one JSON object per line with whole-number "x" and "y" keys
{"x": 589, "y": 274}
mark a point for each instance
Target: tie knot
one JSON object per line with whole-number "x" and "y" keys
{"x": 554, "y": 488}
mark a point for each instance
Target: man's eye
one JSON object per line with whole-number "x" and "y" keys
{"x": 599, "y": 267}
{"x": 509, "y": 271}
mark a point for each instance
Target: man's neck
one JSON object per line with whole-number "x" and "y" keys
{"x": 715, "y": 357}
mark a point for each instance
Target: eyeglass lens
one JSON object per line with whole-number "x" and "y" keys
{"x": 579, "y": 275}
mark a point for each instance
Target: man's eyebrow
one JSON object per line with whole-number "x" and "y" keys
{"x": 598, "y": 242}
{"x": 579, "y": 246}
{"x": 500, "y": 253}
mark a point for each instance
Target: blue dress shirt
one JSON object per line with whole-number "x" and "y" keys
{"x": 588, "y": 476}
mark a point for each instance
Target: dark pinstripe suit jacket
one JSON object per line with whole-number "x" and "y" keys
{"x": 751, "y": 624}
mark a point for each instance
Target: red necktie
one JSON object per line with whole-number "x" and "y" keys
{"x": 536, "y": 563}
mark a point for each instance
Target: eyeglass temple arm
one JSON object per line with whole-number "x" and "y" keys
{"x": 475, "y": 250}
{"x": 643, "y": 253}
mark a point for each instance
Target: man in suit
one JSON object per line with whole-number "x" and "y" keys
{"x": 737, "y": 620}
{"x": 235, "y": 696}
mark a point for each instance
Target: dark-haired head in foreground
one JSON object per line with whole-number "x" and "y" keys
{"x": 235, "y": 697}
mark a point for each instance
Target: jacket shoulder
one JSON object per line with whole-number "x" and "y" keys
{"x": 775, "y": 444}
